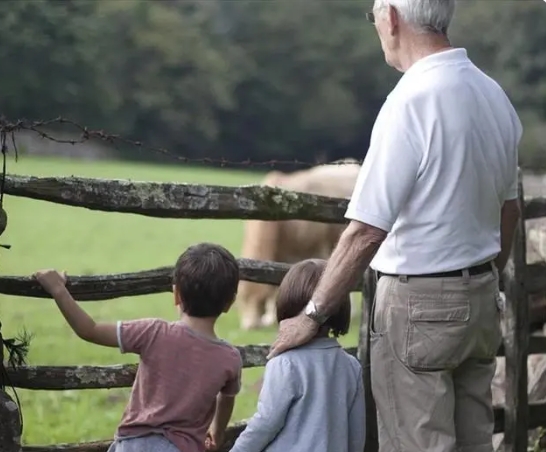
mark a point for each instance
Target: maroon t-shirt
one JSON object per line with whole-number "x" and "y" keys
{"x": 179, "y": 376}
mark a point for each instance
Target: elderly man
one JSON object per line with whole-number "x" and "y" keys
{"x": 435, "y": 207}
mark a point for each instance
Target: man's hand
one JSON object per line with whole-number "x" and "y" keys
{"x": 293, "y": 332}
{"x": 51, "y": 280}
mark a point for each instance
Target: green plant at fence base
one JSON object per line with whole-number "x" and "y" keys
{"x": 17, "y": 348}
{"x": 539, "y": 442}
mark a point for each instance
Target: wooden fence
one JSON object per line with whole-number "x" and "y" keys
{"x": 169, "y": 200}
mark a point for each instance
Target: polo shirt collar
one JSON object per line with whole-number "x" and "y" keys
{"x": 323, "y": 342}
{"x": 454, "y": 55}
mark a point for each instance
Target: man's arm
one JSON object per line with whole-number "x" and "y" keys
{"x": 80, "y": 322}
{"x": 355, "y": 249}
{"x": 510, "y": 215}
{"x": 385, "y": 181}
{"x": 225, "y": 401}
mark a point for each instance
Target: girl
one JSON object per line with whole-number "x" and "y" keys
{"x": 312, "y": 398}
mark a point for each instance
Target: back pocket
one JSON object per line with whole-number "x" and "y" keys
{"x": 437, "y": 329}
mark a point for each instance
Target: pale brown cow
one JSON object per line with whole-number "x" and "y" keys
{"x": 294, "y": 240}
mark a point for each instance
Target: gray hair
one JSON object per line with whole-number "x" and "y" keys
{"x": 425, "y": 16}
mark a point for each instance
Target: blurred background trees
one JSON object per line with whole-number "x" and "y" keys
{"x": 254, "y": 80}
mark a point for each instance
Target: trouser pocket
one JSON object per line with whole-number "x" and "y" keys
{"x": 437, "y": 326}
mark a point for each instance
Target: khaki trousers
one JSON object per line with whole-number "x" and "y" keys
{"x": 433, "y": 348}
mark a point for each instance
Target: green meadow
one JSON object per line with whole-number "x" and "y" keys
{"x": 85, "y": 242}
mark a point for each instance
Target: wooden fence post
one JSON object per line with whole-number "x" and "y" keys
{"x": 368, "y": 294}
{"x": 516, "y": 339}
{"x": 10, "y": 425}
{"x": 10, "y": 422}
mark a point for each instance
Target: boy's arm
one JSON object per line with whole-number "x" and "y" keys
{"x": 224, "y": 410}
{"x": 82, "y": 324}
{"x": 225, "y": 402}
{"x": 278, "y": 392}
{"x": 357, "y": 419}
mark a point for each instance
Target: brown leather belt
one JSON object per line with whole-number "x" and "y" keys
{"x": 476, "y": 270}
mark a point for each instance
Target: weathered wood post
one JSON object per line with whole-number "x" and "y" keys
{"x": 10, "y": 423}
{"x": 516, "y": 339}
{"x": 368, "y": 294}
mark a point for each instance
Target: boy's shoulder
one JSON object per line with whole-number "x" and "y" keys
{"x": 227, "y": 350}
{"x": 231, "y": 349}
{"x": 145, "y": 320}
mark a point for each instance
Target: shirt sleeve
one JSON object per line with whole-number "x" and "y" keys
{"x": 389, "y": 171}
{"x": 357, "y": 419}
{"x": 279, "y": 390}
{"x": 512, "y": 189}
{"x": 512, "y": 186}
{"x": 512, "y": 192}
{"x": 135, "y": 335}
{"x": 233, "y": 385}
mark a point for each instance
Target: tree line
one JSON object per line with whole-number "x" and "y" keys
{"x": 241, "y": 80}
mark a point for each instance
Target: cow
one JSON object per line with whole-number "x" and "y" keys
{"x": 291, "y": 241}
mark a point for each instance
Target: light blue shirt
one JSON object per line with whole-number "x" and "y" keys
{"x": 312, "y": 400}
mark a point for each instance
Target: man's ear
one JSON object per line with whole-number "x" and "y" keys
{"x": 393, "y": 20}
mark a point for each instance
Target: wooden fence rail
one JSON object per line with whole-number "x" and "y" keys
{"x": 177, "y": 200}
{"x": 537, "y": 414}
{"x": 103, "y": 377}
{"x": 122, "y": 375}
{"x": 172, "y": 200}
{"x": 159, "y": 280}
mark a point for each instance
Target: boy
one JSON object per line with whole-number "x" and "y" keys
{"x": 187, "y": 378}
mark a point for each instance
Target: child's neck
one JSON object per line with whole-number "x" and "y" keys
{"x": 201, "y": 325}
{"x": 323, "y": 332}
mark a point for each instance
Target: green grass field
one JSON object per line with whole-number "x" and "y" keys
{"x": 86, "y": 242}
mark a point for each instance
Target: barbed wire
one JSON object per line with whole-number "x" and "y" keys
{"x": 10, "y": 128}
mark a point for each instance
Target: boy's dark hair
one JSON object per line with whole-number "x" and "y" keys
{"x": 296, "y": 290}
{"x": 206, "y": 276}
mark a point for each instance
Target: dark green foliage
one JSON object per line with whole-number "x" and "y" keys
{"x": 247, "y": 79}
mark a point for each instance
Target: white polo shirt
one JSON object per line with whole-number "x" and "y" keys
{"x": 441, "y": 163}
